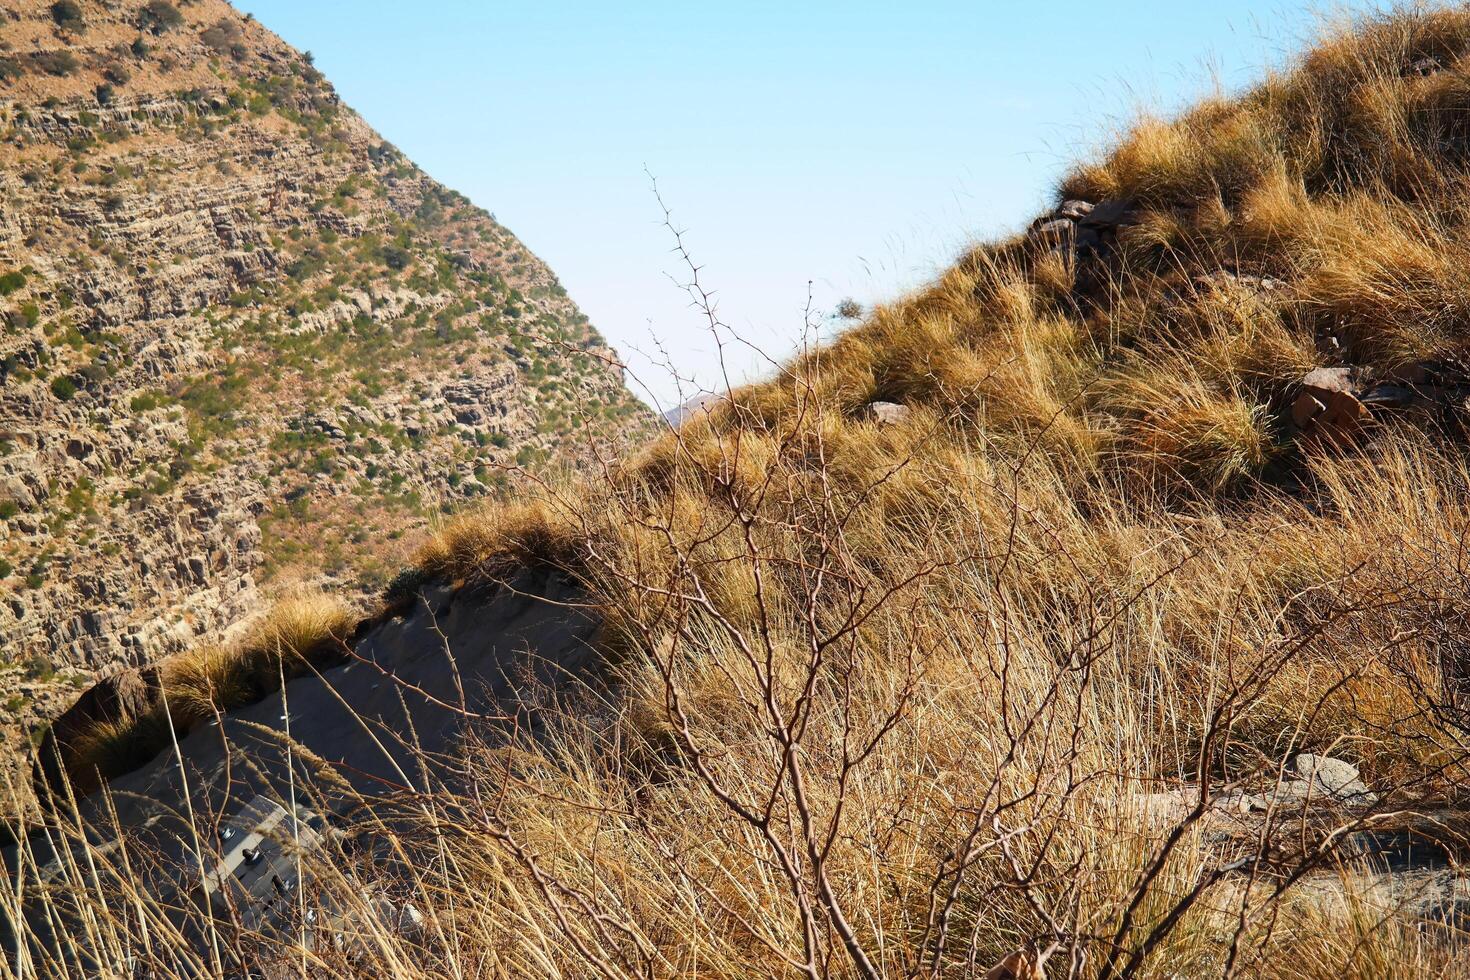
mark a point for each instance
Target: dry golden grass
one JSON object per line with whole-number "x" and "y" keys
{"x": 494, "y": 541}
{"x": 298, "y": 634}
{"x": 890, "y": 698}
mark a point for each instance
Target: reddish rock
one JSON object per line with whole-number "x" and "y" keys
{"x": 1328, "y": 407}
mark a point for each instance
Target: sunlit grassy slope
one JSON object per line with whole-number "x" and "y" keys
{"x": 886, "y": 699}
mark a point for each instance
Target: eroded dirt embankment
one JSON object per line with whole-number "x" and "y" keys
{"x": 387, "y": 721}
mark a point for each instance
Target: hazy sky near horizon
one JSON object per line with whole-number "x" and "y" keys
{"x": 858, "y": 146}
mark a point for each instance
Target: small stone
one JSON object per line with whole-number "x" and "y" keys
{"x": 1335, "y": 777}
{"x": 1074, "y": 210}
{"x": 887, "y": 413}
{"x": 1329, "y": 379}
{"x": 1109, "y": 214}
{"x": 1306, "y": 409}
{"x": 1324, "y": 768}
{"x": 1087, "y": 240}
{"x": 1235, "y": 803}
{"x": 1056, "y": 230}
{"x": 1283, "y": 795}
{"x": 1327, "y": 405}
{"x": 1395, "y": 397}
{"x": 1165, "y": 807}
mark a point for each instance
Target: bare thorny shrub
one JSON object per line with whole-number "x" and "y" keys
{"x": 904, "y": 726}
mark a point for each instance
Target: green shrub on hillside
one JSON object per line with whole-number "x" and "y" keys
{"x": 147, "y": 401}
{"x": 67, "y": 14}
{"x": 56, "y": 63}
{"x": 159, "y": 16}
{"x": 64, "y": 388}
{"x": 213, "y": 402}
{"x": 396, "y": 257}
{"x": 116, "y": 70}
{"x": 11, "y": 281}
{"x": 224, "y": 38}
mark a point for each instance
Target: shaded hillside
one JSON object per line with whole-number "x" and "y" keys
{"x": 1098, "y": 610}
{"x": 245, "y": 341}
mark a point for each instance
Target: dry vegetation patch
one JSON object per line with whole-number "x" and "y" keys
{"x": 895, "y": 694}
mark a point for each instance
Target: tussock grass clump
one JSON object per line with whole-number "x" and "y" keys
{"x": 202, "y": 681}
{"x": 491, "y": 543}
{"x": 297, "y": 635}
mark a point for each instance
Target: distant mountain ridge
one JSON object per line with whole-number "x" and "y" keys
{"x": 242, "y": 338}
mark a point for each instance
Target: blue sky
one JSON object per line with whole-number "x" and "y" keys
{"x": 859, "y": 146}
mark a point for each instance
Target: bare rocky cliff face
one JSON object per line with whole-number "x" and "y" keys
{"x": 243, "y": 341}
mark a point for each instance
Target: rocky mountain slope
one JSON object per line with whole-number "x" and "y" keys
{"x": 242, "y": 339}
